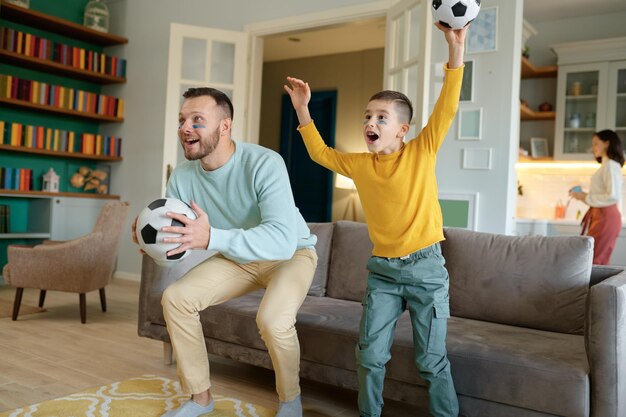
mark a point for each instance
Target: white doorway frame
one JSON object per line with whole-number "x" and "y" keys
{"x": 257, "y": 31}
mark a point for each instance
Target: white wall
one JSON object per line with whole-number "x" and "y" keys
{"x": 496, "y": 91}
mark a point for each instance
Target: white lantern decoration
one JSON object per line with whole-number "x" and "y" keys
{"x": 51, "y": 181}
{"x": 96, "y": 16}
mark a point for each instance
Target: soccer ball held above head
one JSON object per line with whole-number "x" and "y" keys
{"x": 455, "y": 14}
{"x": 149, "y": 234}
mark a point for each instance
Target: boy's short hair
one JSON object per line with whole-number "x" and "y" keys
{"x": 402, "y": 102}
{"x": 220, "y": 98}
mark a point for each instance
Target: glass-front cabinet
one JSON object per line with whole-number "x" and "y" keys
{"x": 581, "y": 99}
{"x": 591, "y": 95}
{"x": 617, "y": 103}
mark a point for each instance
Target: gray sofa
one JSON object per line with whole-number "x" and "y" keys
{"x": 535, "y": 330}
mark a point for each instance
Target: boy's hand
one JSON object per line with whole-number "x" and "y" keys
{"x": 300, "y": 95}
{"x": 456, "y": 44}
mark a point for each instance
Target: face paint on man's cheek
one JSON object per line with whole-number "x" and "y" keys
{"x": 198, "y": 126}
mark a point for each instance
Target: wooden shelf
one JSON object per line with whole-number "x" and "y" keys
{"x": 25, "y": 149}
{"x": 63, "y": 27}
{"x": 46, "y": 65}
{"x": 25, "y": 235}
{"x": 65, "y": 112}
{"x": 530, "y": 71}
{"x": 39, "y": 194}
{"x": 529, "y": 114}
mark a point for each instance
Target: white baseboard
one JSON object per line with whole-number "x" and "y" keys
{"x": 128, "y": 276}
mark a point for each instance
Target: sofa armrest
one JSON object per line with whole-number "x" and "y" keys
{"x": 156, "y": 278}
{"x": 606, "y": 346}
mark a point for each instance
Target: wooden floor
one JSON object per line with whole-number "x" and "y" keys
{"x": 51, "y": 354}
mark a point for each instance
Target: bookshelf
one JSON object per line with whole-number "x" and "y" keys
{"x": 48, "y": 23}
{"x": 23, "y": 149}
{"x": 63, "y": 54}
{"x": 58, "y": 68}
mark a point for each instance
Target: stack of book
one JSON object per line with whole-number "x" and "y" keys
{"x": 4, "y": 218}
{"x": 20, "y": 179}
{"x": 37, "y": 47}
{"x": 61, "y": 97}
{"x": 40, "y": 137}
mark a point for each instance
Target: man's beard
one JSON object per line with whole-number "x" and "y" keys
{"x": 207, "y": 146}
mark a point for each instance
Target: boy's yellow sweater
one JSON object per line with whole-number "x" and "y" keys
{"x": 398, "y": 191}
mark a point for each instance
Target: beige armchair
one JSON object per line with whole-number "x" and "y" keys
{"x": 80, "y": 265}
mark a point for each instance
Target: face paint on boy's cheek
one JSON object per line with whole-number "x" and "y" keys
{"x": 381, "y": 122}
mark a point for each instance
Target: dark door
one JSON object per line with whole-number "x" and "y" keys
{"x": 312, "y": 184}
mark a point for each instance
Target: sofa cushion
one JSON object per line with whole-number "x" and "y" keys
{"x": 531, "y": 369}
{"x": 352, "y": 247}
{"x": 530, "y": 281}
{"x": 521, "y": 367}
{"x": 324, "y": 233}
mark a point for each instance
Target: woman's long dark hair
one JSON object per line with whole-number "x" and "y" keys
{"x": 615, "y": 151}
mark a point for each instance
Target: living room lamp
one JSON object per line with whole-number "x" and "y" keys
{"x": 345, "y": 183}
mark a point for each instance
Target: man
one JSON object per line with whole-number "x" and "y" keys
{"x": 246, "y": 212}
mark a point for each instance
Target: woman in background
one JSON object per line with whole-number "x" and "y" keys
{"x": 603, "y": 220}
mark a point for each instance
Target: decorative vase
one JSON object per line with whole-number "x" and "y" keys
{"x": 574, "y": 120}
{"x": 96, "y": 16}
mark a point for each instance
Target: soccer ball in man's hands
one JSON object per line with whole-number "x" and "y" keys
{"x": 149, "y": 224}
{"x": 455, "y": 14}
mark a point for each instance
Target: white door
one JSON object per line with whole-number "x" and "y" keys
{"x": 203, "y": 57}
{"x": 407, "y": 56}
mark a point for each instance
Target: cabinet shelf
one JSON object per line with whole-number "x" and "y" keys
{"x": 531, "y": 71}
{"x": 585, "y": 97}
{"x": 25, "y": 235}
{"x": 39, "y": 194}
{"x": 63, "y": 27}
{"x": 58, "y": 68}
{"x": 529, "y": 114}
{"x": 64, "y": 112}
{"x": 63, "y": 154}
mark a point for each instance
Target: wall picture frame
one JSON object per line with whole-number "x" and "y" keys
{"x": 470, "y": 124}
{"x": 483, "y": 36}
{"x": 539, "y": 148}
{"x": 467, "y": 88}
{"x": 477, "y": 158}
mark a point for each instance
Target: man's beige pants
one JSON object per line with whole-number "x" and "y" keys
{"x": 218, "y": 280}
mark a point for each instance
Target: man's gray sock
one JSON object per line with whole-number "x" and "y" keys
{"x": 291, "y": 408}
{"x": 190, "y": 409}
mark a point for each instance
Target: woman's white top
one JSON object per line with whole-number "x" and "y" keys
{"x": 606, "y": 185}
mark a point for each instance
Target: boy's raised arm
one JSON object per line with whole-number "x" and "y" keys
{"x": 456, "y": 44}
{"x": 300, "y": 94}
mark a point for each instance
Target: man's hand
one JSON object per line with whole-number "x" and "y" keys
{"x": 300, "y": 94}
{"x": 456, "y": 44}
{"x": 133, "y": 228}
{"x": 194, "y": 235}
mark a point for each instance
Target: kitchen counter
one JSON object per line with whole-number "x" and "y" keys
{"x": 567, "y": 227}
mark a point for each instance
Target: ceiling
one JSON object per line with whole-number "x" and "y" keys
{"x": 370, "y": 34}
{"x": 349, "y": 37}
{"x": 547, "y": 10}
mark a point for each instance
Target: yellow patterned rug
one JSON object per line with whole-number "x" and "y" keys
{"x": 144, "y": 396}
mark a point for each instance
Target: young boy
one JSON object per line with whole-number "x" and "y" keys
{"x": 398, "y": 189}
